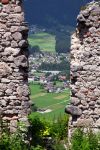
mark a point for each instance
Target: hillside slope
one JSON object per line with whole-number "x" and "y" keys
{"x": 47, "y": 12}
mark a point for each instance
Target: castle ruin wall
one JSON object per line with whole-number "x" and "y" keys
{"x": 85, "y": 69}
{"x": 14, "y": 93}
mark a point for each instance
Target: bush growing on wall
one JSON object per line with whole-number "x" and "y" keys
{"x": 12, "y": 141}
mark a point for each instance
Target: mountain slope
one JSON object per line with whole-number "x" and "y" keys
{"x": 47, "y": 12}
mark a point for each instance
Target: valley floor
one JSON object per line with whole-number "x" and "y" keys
{"x": 50, "y": 105}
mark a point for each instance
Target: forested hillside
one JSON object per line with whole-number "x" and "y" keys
{"x": 51, "y": 12}
{"x": 55, "y": 16}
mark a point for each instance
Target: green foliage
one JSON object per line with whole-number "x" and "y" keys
{"x": 34, "y": 49}
{"x": 60, "y": 127}
{"x": 41, "y": 128}
{"x": 34, "y": 108}
{"x": 82, "y": 139}
{"x": 38, "y": 147}
{"x": 13, "y": 141}
{"x": 54, "y": 101}
{"x": 16, "y": 142}
{"x": 44, "y": 41}
{"x": 62, "y": 42}
{"x": 59, "y": 146}
{"x": 62, "y": 66}
{"x": 37, "y": 128}
{"x": 83, "y": 7}
{"x": 85, "y": 140}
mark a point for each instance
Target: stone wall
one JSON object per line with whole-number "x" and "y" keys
{"x": 14, "y": 93}
{"x": 85, "y": 69}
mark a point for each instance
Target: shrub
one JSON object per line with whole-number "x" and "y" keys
{"x": 83, "y": 7}
{"x": 37, "y": 128}
{"x": 59, "y": 146}
{"x": 85, "y": 140}
{"x": 42, "y": 128}
{"x": 38, "y": 147}
{"x": 13, "y": 141}
{"x": 60, "y": 127}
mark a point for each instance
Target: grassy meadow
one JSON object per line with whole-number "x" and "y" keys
{"x": 56, "y": 102}
{"x": 44, "y": 40}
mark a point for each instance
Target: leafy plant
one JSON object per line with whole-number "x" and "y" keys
{"x": 38, "y": 147}
{"x": 60, "y": 127}
{"x": 85, "y": 140}
{"x": 55, "y": 132}
{"x": 42, "y": 128}
{"x": 36, "y": 129}
{"x": 9, "y": 141}
{"x": 59, "y": 146}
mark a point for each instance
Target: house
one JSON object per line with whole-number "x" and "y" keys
{"x": 31, "y": 79}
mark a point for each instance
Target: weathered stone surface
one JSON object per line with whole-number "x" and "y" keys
{"x": 4, "y": 80}
{"x": 9, "y": 91}
{"x": 13, "y": 124}
{"x": 75, "y": 101}
{"x": 17, "y": 36}
{"x": 3, "y": 103}
{"x": 85, "y": 122}
{"x": 4, "y": 69}
{"x": 21, "y": 61}
{"x": 14, "y": 93}
{"x": 14, "y": 44}
{"x": 1, "y": 93}
{"x": 73, "y": 110}
{"x": 11, "y": 51}
{"x": 14, "y": 29}
{"x": 98, "y": 123}
{"x": 23, "y": 90}
{"x": 81, "y": 18}
{"x": 23, "y": 43}
{"x": 18, "y": 9}
{"x": 85, "y": 69}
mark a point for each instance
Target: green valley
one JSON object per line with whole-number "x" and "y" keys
{"x": 50, "y": 105}
{"x": 45, "y": 41}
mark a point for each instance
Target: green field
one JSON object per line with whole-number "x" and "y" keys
{"x": 53, "y": 101}
{"x": 45, "y": 41}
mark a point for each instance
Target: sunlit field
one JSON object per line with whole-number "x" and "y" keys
{"x": 45, "y": 41}
{"x": 55, "y": 102}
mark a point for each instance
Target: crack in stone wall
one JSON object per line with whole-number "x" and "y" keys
{"x": 14, "y": 93}
{"x": 85, "y": 70}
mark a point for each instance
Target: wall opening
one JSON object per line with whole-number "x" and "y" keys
{"x": 49, "y": 66}
{"x": 51, "y": 24}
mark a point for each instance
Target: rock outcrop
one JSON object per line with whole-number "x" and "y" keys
{"x": 14, "y": 93}
{"x": 85, "y": 69}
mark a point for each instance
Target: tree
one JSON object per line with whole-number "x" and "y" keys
{"x": 34, "y": 49}
{"x": 62, "y": 43}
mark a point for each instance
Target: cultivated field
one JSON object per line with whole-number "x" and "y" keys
{"x": 45, "y": 41}
{"x": 53, "y": 102}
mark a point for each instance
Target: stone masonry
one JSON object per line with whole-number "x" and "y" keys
{"x": 85, "y": 69}
{"x": 14, "y": 93}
